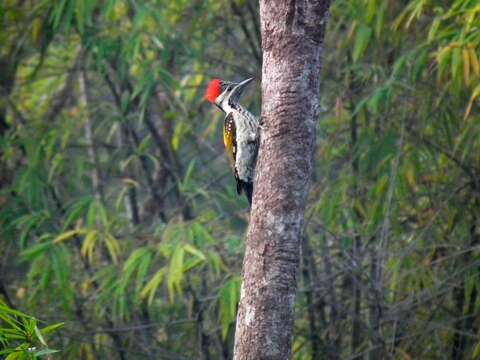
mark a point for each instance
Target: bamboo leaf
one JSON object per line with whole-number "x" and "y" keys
{"x": 201, "y": 236}
{"x": 362, "y": 39}
{"x": 476, "y": 351}
{"x": 456, "y": 63}
{"x": 475, "y": 94}
{"x": 175, "y": 272}
{"x": 40, "y": 336}
{"x": 466, "y": 65}
{"x": 77, "y": 211}
{"x": 143, "y": 268}
{"x": 17, "y": 355}
{"x": 36, "y": 250}
{"x": 410, "y": 175}
{"x": 150, "y": 289}
{"x": 228, "y": 299}
{"x": 112, "y": 246}
{"x": 138, "y": 261}
{"x": 67, "y": 236}
{"x": 80, "y": 12}
{"x": 474, "y": 61}
{"x": 46, "y": 352}
{"x": 433, "y": 30}
{"x": 194, "y": 251}
{"x": 51, "y": 328}
{"x": 443, "y": 59}
{"x": 88, "y": 245}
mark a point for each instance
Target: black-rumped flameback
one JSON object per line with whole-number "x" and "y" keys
{"x": 241, "y": 131}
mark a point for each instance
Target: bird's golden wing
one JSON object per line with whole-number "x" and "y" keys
{"x": 229, "y": 138}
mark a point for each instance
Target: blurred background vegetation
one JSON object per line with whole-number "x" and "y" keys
{"x": 118, "y": 212}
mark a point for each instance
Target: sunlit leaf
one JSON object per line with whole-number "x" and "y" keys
{"x": 475, "y": 95}
{"x": 151, "y": 287}
{"x": 175, "y": 272}
{"x": 67, "y": 235}
{"x": 113, "y": 247}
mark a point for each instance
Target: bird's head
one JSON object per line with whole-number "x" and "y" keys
{"x": 225, "y": 94}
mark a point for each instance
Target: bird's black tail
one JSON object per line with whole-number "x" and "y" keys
{"x": 246, "y": 187}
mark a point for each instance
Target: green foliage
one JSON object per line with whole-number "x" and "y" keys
{"x": 119, "y": 215}
{"x": 20, "y": 336}
{"x": 228, "y": 298}
{"x": 400, "y": 83}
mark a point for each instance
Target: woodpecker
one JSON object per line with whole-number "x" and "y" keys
{"x": 241, "y": 131}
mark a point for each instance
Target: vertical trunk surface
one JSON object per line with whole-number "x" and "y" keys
{"x": 292, "y": 38}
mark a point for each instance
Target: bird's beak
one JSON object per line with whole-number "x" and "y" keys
{"x": 238, "y": 89}
{"x": 245, "y": 82}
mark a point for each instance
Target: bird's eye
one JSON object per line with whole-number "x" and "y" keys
{"x": 229, "y": 88}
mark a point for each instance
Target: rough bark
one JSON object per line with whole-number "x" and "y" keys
{"x": 292, "y": 38}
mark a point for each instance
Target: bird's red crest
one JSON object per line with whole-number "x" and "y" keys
{"x": 214, "y": 90}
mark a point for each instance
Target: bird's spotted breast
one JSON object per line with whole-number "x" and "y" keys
{"x": 229, "y": 136}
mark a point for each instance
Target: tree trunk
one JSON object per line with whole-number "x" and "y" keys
{"x": 292, "y": 38}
